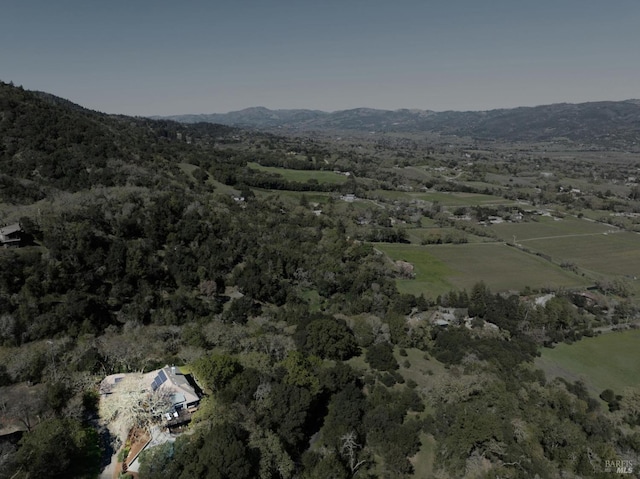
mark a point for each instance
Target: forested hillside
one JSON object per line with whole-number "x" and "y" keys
{"x": 150, "y": 243}
{"x": 606, "y": 124}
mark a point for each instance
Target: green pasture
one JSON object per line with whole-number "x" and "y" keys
{"x": 431, "y": 273}
{"x": 302, "y": 175}
{"x": 597, "y": 214}
{"x": 390, "y": 195}
{"x": 427, "y": 222}
{"x": 548, "y": 227}
{"x": 416, "y": 172}
{"x": 421, "y": 370}
{"x": 188, "y": 169}
{"x": 445, "y": 198}
{"x": 441, "y": 268}
{"x": 296, "y": 196}
{"x": 454, "y": 199}
{"x": 608, "y": 361}
{"x": 480, "y": 185}
{"x": 608, "y": 254}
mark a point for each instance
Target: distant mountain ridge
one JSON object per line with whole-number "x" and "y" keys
{"x": 603, "y": 123}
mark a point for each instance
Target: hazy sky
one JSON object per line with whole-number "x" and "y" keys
{"x": 148, "y": 57}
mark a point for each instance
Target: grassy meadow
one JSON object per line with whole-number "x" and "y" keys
{"x": 455, "y": 199}
{"x": 608, "y": 361}
{"x": 440, "y": 268}
{"x": 295, "y": 196}
{"x": 445, "y": 198}
{"x": 609, "y": 254}
{"x": 302, "y": 175}
{"x": 549, "y": 227}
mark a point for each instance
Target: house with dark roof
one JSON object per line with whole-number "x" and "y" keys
{"x": 10, "y": 235}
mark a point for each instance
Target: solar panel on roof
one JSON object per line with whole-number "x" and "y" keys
{"x": 162, "y": 377}
{"x": 154, "y": 385}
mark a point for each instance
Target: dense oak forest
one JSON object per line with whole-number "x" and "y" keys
{"x": 149, "y": 242}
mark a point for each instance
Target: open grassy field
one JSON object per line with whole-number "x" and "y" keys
{"x": 445, "y": 198}
{"x": 610, "y": 254}
{"x": 219, "y": 187}
{"x": 453, "y": 199}
{"x": 548, "y": 227}
{"x": 480, "y": 184}
{"x": 425, "y": 459}
{"x": 390, "y": 195}
{"x": 441, "y": 268}
{"x": 611, "y": 360}
{"x": 302, "y": 175}
{"x": 295, "y": 196}
{"x": 431, "y": 273}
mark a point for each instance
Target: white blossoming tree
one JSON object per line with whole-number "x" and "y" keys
{"x": 132, "y": 403}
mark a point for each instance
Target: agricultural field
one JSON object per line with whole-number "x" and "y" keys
{"x": 614, "y": 254}
{"x": 432, "y": 274}
{"x": 391, "y": 195}
{"x": 608, "y": 361}
{"x": 302, "y": 175}
{"x": 549, "y": 227}
{"x": 415, "y": 172}
{"x": 480, "y": 184}
{"x": 599, "y": 251}
{"x": 296, "y": 196}
{"x": 440, "y": 268}
{"x": 445, "y": 198}
{"x": 456, "y": 199}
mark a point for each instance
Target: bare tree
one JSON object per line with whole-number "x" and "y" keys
{"x": 23, "y": 405}
{"x": 275, "y": 345}
{"x": 120, "y": 352}
{"x": 350, "y": 449}
{"x": 131, "y": 403}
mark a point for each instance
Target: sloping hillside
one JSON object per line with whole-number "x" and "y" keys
{"x": 47, "y": 142}
{"x": 607, "y": 123}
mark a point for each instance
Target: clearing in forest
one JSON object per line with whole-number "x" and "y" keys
{"x": 608, "y": 361}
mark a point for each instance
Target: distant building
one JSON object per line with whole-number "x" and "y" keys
{"x": 11, "y": 235}
{"x": 444, "y": 317}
